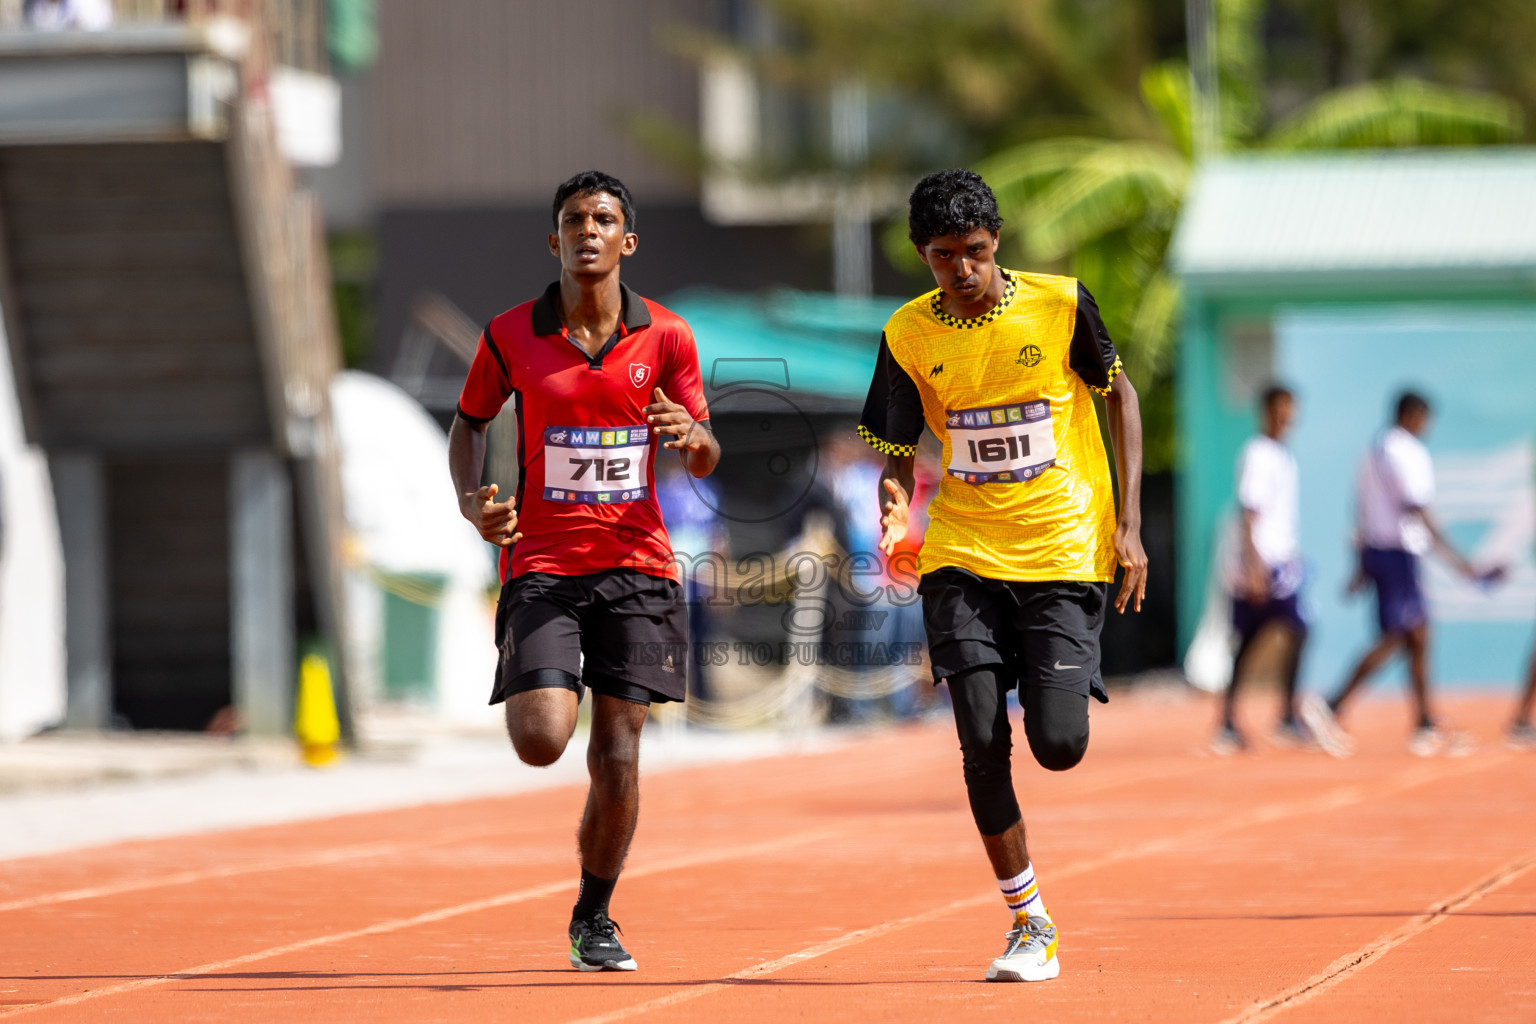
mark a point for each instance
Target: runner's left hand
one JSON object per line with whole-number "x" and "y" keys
{"x": 667, "y": 417}
{"x": 1128, "y": 551}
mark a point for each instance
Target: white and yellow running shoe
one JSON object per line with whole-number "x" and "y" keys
{"x": 1030, "y": 954}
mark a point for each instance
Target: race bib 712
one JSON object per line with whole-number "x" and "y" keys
{"x": 596, "y": 465}
{"x": 1001, "y": 444}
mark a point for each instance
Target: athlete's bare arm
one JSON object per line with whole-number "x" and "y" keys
{"x": 1125, "y": 434}
{"x": 1443, "y": 545}
{"x": 897, "y": 484}
{"x": 693, "y": 439}
{"x": 497, "y": 522}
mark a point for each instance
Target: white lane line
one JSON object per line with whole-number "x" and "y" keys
{"x": 335, "y": 855}
{"x": 433, "y": 916}
{"x": 774, "y": 966}
{"x": 1342, "y": 796}
{"x": 1349, "y": 964}
{"x": 361, "y": 851}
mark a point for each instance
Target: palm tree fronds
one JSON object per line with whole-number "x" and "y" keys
{"x": 1165, "y": 88}
{"x": 1152, "y": 326}
{"x": 1113, "y": 187}
{"x": 1403, "y": 112}
{"x": 899, "y": 249}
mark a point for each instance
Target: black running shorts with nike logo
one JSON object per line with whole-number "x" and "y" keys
{"x": 1043, "y": 634}
{"x": 622, "y": 632}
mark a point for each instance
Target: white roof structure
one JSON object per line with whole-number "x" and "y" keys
{"x": 1404, "y": 215}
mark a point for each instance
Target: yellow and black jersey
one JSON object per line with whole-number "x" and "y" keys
{"x": 1026, "y": 493}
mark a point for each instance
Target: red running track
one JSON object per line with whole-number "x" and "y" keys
{"x": 844, "y": 885}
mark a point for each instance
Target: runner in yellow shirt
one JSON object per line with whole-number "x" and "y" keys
{"x": 1023, "y": 538}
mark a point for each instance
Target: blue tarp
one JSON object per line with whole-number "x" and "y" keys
{"x": 818, "y": 343}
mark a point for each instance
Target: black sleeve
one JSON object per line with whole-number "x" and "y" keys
{"x": 1093, "y": 356}
{"x": 892, "y": 422}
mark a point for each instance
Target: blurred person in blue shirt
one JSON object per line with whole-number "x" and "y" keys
{"x": 874, "y": 625}
{"x": 701, "y": 546}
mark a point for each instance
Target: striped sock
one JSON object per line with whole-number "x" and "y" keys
{"x": 1022, "y": 894}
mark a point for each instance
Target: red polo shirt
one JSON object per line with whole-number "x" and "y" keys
{"x": 586, "y": 497}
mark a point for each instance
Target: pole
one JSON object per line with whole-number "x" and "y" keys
{"x": 1204, "y": 79}
{"x": 852, "y": 270}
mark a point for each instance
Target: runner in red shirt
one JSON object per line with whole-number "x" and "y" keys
{"x": 590, "y": 597}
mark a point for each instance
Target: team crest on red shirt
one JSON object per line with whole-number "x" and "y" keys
{"x": 639, "y": 373}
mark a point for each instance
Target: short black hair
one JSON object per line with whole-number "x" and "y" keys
{"x": 1272, "y": 394}
{"x": 589, "y": 182}
{"x": 1409, "y": 403}
{"x": 952, "y": 202}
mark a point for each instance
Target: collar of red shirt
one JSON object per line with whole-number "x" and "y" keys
{"x": 546, "y": 311}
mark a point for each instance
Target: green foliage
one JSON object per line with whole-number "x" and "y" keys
{"x": 1403, "y": 112}
{"x": 1466, "y": 44}
{"x": 352, "y": 34}
{"x": 665, "y": 139}
{"x": 1078, "y": 113}
{"x": 1107, "y": 207}
{"x": 1115, "y": 186}
{"x": 1165, "y": 88}
{"x": 354, "y": 259}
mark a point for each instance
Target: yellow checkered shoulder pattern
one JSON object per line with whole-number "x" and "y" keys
{"x": 1058, "y": 524}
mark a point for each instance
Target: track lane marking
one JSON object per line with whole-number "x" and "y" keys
{"x": 336, "y": 855}
{"x": 773, "y": 966}
{"x": 318, "y": 858}
{"x": 1339, "y": 797}
{"x": 431, "y": 917}
{"x": 1342, "y": 796}
{"x": 1346, "y": 966}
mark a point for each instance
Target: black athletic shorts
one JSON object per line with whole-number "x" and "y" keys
{"x": 1043, "y": 634}
{"x": 622, "y": 632}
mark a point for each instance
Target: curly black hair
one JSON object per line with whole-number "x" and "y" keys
{"x": 589, "y": 182}
{"x": 951, "y": 202}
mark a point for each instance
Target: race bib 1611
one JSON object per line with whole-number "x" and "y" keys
{"x": 596, "y": 465}
{"x": 1001, "y": 444}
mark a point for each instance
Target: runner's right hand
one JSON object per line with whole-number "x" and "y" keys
{"x": 893, "y": 518}
{"x": 497, "y": 523}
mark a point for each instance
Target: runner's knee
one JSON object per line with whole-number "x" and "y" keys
{"x": 613, "y": 752}
{"x": 613, "y": 759}
{"x": 1056, "y": 725}
{"x": 537, "y": 748}
{"x": 540, "y": 720}
{"x": 989, "y": 789}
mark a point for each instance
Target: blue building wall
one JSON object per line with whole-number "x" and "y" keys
{"x": 1476, "y": 367}
{"x": 1475, "y": 357}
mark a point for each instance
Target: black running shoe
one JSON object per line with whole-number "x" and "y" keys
{"x": 596, "y": 947}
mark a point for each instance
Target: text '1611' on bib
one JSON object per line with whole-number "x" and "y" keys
{"x": 1001, "y": 444}
{"x": 596, "y": 465}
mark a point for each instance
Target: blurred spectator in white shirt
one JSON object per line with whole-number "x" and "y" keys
{"x": 1264, "y": 574}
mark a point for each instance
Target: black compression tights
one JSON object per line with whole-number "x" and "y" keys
{"x": 1055, "y": 723}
